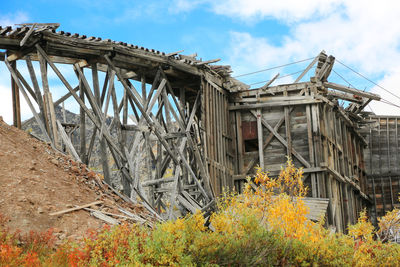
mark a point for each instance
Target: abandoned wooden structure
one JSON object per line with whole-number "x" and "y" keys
{"x": 211, "y": 130}
{"x": 382, "y": 161}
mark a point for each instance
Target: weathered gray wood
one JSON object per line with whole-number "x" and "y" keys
{"x": 352, "y": 91}
{"x": 68, "y": 142}
{"x": 28, "y": 101}
{"x": 45, "y": 85}
{"x": 103, "y": 147}
{"x": 100, "y": 215}
{"x": 265, "y": 87}
{"x": 260, "y": 139}
{"x": 53, "y": 119}
{"x": 282, "y": 140}
{"x": 77, "y": 98}
{"x": 26, "y": 85}
{"x": 76, "y": 208}
{"x": 307, "y": 69}
{"x": 289, "y": 150}
{"x": 288, "y": 102}
{"x": 15, "y": 99}
{"x": 35, "y": 86}
{"x": 27, "y": 35}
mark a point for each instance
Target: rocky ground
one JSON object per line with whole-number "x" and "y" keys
{"x": 36, "y": 180}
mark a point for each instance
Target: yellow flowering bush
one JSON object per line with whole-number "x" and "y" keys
{"x": 266, "y": 225}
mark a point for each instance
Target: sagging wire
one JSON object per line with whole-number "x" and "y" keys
{"x": 367, "y": 79}
{"x": 272, "y": 68}
{"x": 281, "y": 77}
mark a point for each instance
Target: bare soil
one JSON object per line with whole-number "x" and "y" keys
{"x": 36, "y": 180}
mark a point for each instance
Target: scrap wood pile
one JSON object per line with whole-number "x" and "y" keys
{"x": 389, "y": 227}
{"x": 42, "y": 189}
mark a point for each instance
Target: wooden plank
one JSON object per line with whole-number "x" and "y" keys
{"x": 67, "y": 141}
{"x": 53, "y": 119}
{"x": 27, "y": 35}
{"x": 260, "y": 140}
{"x": 15, "y": 99}
{"x": 76, "y": 208}
{"x": 82, "y": 126}
{"x": 351, "y": 91}
{"x": 314, "y": 189}
{"x": 26, "y": 85}
{"x": 275, "y": 104}
{"x": 45, "y": 86}
{"x": 103, "y": 146}
{"x": 307, "y": 69}
{"x": 36, "y": 88}
{"x": 40, "y": 123}
{"x": 287, "y": 128}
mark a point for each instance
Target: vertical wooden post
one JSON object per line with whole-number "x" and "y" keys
{"x": 260, "y": 139}
{"x": 103, "y": 145}
{"x": 287, "y": 128}
{"x": 36, "y": 87}
{"x": 15, "y": 99}
{"x": 314, "y": 189}
{"x": 82, "y": 126}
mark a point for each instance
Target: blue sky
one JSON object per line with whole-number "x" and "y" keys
{"x": 249, "y": 35}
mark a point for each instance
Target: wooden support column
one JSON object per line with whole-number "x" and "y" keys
{"x": 147, "y": 145}
{"x": 287, "y": 128}
{"x": 45, "y": 85}
{"x": 260, "y": 139}
{"x": 39, "y": 98}
{"x": 82, "y": 127}
{"x": 314, "y": 188}
{"x": 15, "y": 99}
{"x": 28, "y": 101}
{"x": 103, "y": 146}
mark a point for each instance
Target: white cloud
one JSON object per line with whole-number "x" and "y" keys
{"x": 286, "y": 10}
{"x": 362, "y": 34}
{"x": 13, "y": 18}
{"x": 390, "y": 81}
{"x": 185, "y": 5}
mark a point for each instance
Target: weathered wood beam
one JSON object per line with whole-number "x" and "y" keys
{"x": 15, "y": 98}
{"x": 351, "y": 90}
{"x": 260, "y": 139}
{"x": 103, "y": 147}
{"x": 67, "y": 142}
{"x": 345, "y": 96}
{"x": 77, "y": 98}
{"x": 28, "y": 101}
{"x": 307, "y": 69}
{"x": 35, "y": 84}
{"x": 305, "y": 101}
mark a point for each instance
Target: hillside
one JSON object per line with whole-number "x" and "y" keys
{"x": 37, "y": 181}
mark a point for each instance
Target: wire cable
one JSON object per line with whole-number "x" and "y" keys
{"x": 389, "y": 103}
{"x": 272, "y": 68}
{"x": 343, "y": 79}
{"x": 280, "y": 77}
{"x": 367, "y": 79}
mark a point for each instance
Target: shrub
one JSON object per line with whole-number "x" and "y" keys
{"x": 264, "y": 226}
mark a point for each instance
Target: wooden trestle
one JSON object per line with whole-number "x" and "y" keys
{"x": 210, "y": 129}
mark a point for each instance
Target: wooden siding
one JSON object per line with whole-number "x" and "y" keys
{"x": 383, "y": 162}
{"x": 317, "y": 137}
{"x": 218, "y": 136}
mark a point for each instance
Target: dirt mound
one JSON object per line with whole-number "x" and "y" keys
{"x": 36, "y": 180}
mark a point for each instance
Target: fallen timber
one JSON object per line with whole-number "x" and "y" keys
{"x": 198, "y": 130}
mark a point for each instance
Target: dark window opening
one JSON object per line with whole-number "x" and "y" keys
{"x": 251, "y": 145}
